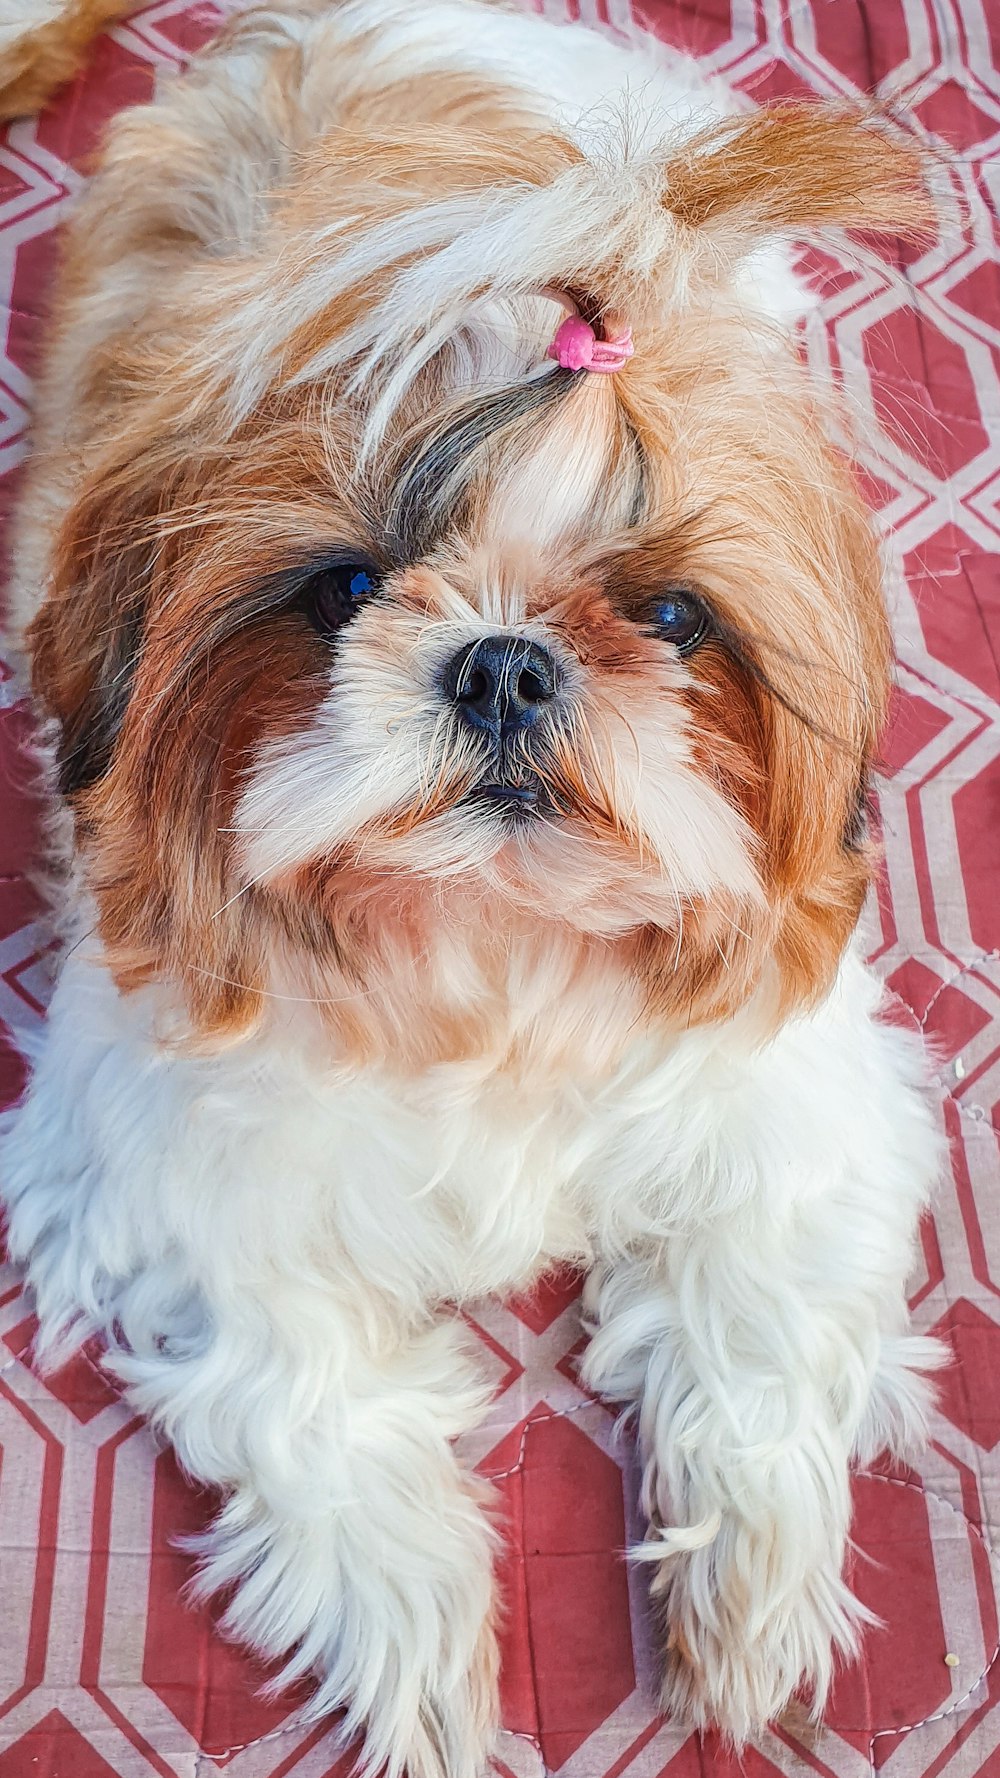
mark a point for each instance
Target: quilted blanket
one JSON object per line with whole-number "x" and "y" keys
{"x": 104, "y": 1671}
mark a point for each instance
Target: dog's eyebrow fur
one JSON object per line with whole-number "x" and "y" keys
{"x": 436, "y": 475}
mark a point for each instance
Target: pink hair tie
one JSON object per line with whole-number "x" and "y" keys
{"x": 577, "y": 347}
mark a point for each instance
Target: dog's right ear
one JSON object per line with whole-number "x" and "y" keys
{"x": 87, "y": 637}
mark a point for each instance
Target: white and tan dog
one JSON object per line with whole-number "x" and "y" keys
{"x": 464, "y": 653}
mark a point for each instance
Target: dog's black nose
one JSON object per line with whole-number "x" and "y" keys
{"x": 501, "y": 683}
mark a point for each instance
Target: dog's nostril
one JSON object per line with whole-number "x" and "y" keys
{"x": 475, "y": 688}
{"x": 533, "y": 688}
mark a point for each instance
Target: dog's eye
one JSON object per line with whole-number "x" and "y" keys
{"x": 679, "y": 617}
{"x": 332, "y": 595}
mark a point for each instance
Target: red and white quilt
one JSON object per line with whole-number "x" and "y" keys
{"x": 103, "y": 1671}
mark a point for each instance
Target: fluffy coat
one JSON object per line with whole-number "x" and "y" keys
{"x": 363, "y": 1015}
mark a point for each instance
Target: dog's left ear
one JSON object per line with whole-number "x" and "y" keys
{"x": 797, "y": 170}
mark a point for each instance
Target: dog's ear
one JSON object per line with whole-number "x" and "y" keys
{"x": 87, "y": 636}
{"x": 796, "y": 170}
{"x": 146, "y": 818}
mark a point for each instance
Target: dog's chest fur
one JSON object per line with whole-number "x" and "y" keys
{"x": 465, "y": 1179}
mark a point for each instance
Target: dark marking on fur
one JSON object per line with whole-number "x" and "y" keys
{"x": 434, "y": 481}
{"x": 88, "y": 742}
{"x": 858, "y": 823}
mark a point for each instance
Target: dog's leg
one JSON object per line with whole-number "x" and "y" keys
{"x": 763, "y": 1341}
{"x": 185, "y": 1209}
{"x": 352, "y": 1542}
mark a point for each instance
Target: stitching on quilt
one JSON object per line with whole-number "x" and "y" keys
{"x": 226, "y": 1753}
{"x": 911, "y": 386}
{"x": 518, "y": 1467}
{"x": 501, "y": 1475}
{"x": 960, "y": 972}
{"x": 957, "y": 1703}
{"x": 971, "y": 1108}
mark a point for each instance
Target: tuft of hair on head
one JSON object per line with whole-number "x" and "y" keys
{"x": 436, "y": 239}
{"x": 799, "y": 169}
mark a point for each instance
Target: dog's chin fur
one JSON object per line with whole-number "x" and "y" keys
{"x": 345, "y": 1034}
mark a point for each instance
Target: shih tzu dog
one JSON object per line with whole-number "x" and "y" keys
{"x": 463, "y": 651}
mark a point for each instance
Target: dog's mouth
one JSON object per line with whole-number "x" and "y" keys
{"x": 524, "y": 796}
{"x": 519, "y": 786}
{"x": 518, "y": 800}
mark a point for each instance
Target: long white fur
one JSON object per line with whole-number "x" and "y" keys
{"x": 264, "y": 1241}
{"x": 266, "y": 1237}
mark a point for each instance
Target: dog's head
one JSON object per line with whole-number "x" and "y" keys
{"x": 372, "y": 621}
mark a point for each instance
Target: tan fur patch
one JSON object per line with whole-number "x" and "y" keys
{"x": 41, "y": 57}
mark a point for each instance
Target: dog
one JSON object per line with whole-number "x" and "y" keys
{"x": 462, "y": 654}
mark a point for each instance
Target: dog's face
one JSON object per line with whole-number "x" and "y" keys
{"x": 517, "y": 650}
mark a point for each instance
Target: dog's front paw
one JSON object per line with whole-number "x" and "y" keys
{"x": 739, "y": 1652}
{"x": 404, "y": 1651}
